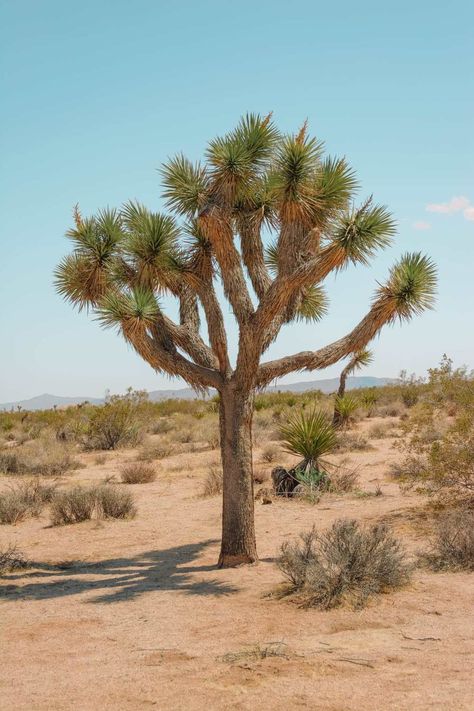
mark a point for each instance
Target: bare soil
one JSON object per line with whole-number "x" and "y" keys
{"x": 135, "y": 615}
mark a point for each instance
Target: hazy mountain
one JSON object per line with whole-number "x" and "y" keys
{"x": 47, "y": 402}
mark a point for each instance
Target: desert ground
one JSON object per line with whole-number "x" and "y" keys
{"x": 134, "y": 614}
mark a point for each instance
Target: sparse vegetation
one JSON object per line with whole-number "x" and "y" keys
{"x": 12, "y": 559}
{"x": 453, "y": 544}
{"x": 137, "y": 473}
{"x": 213, "y": 483}
{"x": 83, "y": 503}
{"x": 115, "y": 424}
{"x": 23, "y": 500}
{"x": 346, "y": 564}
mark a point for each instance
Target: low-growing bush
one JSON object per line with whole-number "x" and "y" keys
{"x": 347, "y": 442}
{"x": 345, "y": 407}
{"x": 159, "y": 450}
{"x": 117, "y": 423}
{"x": 453, "y": 544}
{"x": 214, "y": 482}
{"x": 83, "y": 503}
{"x": 73, "y": 506}
{"x": 114, "y": 503}
{"x": 24, "y": 500}
{"x": 137, "y": 473}
{"x": 11, "y": 559}
{"x": 345, "y": 564}
{"x": 44, "y": 457}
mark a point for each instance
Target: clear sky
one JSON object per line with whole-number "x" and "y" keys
{"x": 96, "y": 94}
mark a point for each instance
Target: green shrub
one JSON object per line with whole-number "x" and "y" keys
{"x": 117, "y": 423}
{"x": 344, "y": 408}
{"x": 346, "y": 564}
{"x": 311, "y": 435}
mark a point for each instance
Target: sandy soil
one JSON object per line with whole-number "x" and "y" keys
{"x": 138, "y": 616}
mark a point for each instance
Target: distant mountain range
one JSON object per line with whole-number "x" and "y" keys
{"x": 47, "y": 402}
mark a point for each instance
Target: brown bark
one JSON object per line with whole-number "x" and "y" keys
{"x": 238, "y": 545}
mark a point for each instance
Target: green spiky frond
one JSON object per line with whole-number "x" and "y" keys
{"x": 335, "y": 184}
{"x": 308, "y": 434}
{"x": 131, "y": 312}
{"x": 151, "y": 244}
{"x": 361, "y": 359}
{"x": 292, "y": 178}
{"x": 411, "y": 285}
{"x": 314, "y": 304}
{"x": 85, "y": 275}
{"x": 186, "y": 185}
{"x": 363, "y": 231}
{"x": 271, "y": 258}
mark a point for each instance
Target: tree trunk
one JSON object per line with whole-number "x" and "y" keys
{"x": 336, "y": 420}
{"x": 238, "y": 527}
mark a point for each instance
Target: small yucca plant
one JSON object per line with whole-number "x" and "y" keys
{"x": 344, "y": 408}
{"x": 309, "y": 434}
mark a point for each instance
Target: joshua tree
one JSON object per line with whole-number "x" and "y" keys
{"x": 255, "y": 184}
{"x": 359, "y": 360}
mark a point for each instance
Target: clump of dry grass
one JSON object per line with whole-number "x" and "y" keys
{"x": 150, "y": 451}
{"x": 24, "y": 500}
{"x": 82, "y": 503}
{"x": 453, "y": 545}
{"x": 257, "y": 652}
{"x": 346, "y": 564}
{"x": 347, "y": 442}
{"x": 42, "y": 457}
{"x": 343, "y": 480}
{"x": 270, "y": 453}
{"x": 214, "y": 482}
{"x": 11, "y": 559}
{"x": 137, "y": 473}
{"x": 73, "y": 506}
{"x": 114, "y": 503}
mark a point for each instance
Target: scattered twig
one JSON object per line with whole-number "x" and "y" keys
{"x": 420, "y": 639}
{"x": 359, "y": 662}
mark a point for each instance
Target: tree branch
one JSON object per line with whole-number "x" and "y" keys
{"x": 219, "y": 232}
{"x": 249, "y": 225}
{"x": 383, "y": 311}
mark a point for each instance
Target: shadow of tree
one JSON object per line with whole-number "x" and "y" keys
{"x": 120, "y": 578}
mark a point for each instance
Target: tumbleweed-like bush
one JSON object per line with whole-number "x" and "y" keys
{"x": 345, "y": 564}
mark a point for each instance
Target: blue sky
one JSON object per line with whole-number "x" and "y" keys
{"x": 96, "y": 95}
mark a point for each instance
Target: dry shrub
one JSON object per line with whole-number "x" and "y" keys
{"x": 161, "y": 426}
{"x": 214, "y": 482}
{"x": 453, "y": 545}
{"x": 82, "y": 503}
{"x": 161, "y": 450}
{"x": 343, "y": 480}
{"x": 393, "y": 410}
{"x": 114, "y": 503}
{"x": 345, "y": 564}
{"x": 270, "y": 453}
{"x": 347, "y": 442}
{"x": 24, "y": 500}
{"x": 11, "y": 559}
{"x": 380, "y": 431}
{"x": 43, "y": 457}
{"x": 73, "y": 506}
{"x": 137, "y": 473}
